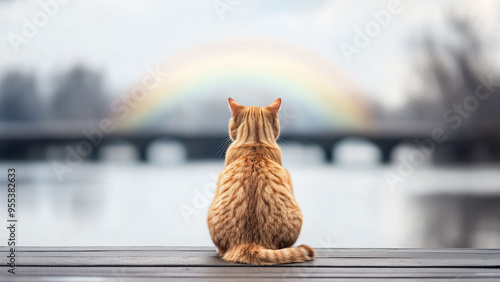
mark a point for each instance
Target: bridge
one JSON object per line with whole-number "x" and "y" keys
{"x": 23, "y": 142}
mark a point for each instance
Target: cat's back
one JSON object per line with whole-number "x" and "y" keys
{"x": 255, "y": 196}
{"x": 254, "y": 180}
{"x": 256, "y": 165}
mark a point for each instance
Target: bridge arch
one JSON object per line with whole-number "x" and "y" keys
{"x": 118, "y": 150}
{"x": 357, "y": 151}
{"x": 166, "y": 151}
{"x": 407, "y": 151}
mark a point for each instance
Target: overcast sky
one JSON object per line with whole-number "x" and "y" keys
{"x": 121, "y": 38}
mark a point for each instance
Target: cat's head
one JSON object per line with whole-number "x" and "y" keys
{"x": 254, "y": 123}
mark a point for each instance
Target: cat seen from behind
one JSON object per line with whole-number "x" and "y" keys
{"x": 254, "y": 217}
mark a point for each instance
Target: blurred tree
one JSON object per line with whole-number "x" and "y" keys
{"x": 458, "y": 71}
{"x": 79, "y": 96}
{"x": 18, "y": 98}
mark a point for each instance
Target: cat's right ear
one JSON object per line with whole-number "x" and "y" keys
{"x": 235, "y": 107}
{"x": 275, "y": 107}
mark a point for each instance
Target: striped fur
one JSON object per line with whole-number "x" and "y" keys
{"x": 254, "y": 217}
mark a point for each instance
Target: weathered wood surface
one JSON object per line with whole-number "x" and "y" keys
{"x": 185, "y": 263}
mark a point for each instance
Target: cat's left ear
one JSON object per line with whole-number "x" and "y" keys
{"x": 235, "y": 107}
{"x": 275, "y": 107}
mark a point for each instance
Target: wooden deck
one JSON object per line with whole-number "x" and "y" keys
{"x": 186, "y": 264}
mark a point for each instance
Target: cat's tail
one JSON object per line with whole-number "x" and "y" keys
{"x": 255, "y": 254}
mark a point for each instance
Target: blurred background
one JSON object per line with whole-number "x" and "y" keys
{"x": 114, "y": 115}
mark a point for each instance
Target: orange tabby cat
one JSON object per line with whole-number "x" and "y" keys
{"x": 254, "y": 217}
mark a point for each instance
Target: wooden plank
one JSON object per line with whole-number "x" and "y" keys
{"x": 319, "y": 255}
{"x": 258, "y": 273}
{"x": 264, "y": 272}
{"x": 216, "y": 262}
{"x": 204, "y": 251}
{"x": 325, "y": 258}
{"x": 189, "y": 264}
{"x": 211, "y": 249}
{"x": 156, "y": 279}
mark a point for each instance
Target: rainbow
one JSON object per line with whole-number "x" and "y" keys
{"x": 274, "y": 66}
